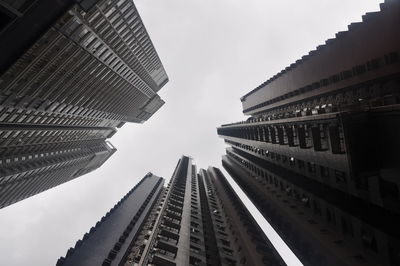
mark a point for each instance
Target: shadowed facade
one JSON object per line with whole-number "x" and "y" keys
{"x": 319, "y": 156}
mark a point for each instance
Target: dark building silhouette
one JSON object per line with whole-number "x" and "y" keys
{"x": 196, "y": 220}
{"x": 71, "y": 72}
{"x": 109, "y": 240}
{"x": 319, "y": 155}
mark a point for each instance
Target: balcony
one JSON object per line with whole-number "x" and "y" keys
{"x": 176, "y": 203}
{"x": 171, "y": 224}
{"x": 167, "y": 246}
{"x": 174, "y": 208}
{"x": 173, "y": 215}
{"x": 169, "y": 234}
{"x": 170, "y": 241}
{"x": 162, "y": 260}
{"x": 177, "y": 197}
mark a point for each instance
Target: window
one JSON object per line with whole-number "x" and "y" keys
{"x": 194, "y": 261}
{"x": 311, "y": 168}
{"x": 340, "y": 176}
{"x": 369, "y": 240}
{"x": 301, "y": 164}
{"x": 324, "y": 171}
{"x": 225, "y": 242}
{"x": 195, "y": 249}
{"x": 194, "y": 239}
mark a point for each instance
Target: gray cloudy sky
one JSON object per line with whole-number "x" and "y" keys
{"x": 214, "y": 52}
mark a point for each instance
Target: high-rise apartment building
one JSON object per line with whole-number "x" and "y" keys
{"x": 319, "y": 155}
{"x": 196, "y": 220}
{"x": 111, "y": 239}
{"x": 71, "y": 72}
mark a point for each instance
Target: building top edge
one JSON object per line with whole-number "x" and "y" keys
{"x": 351, "y": 27}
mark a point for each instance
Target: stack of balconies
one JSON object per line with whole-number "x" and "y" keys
{"x": 166, "y": 242}
{"x": 220, "y": 244}
{"x": 321, "y": 138}
{"x": 83, "y": 70}
{"x": 197, "y": 233}
{"x": 307, "y": 214}
{"x": 233, "y": 221}
{"x": 316, "y": 150}
{"x": 33, "y": 172}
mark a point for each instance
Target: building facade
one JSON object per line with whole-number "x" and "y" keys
{"x": 319, "y": 156}
{"x": 196, "y": 220}
{"x": 81, "y": 70}
{"x": 34, "y": 171}
{"x": 109, "y": 241}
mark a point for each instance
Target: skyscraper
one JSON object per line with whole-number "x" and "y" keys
{"x": 71, "y": 72}
{"x": 111, "y": 238}
{"x": 319, "y": 156}
{"x": 197, "y": 220}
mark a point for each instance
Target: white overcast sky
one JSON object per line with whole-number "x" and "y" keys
{"x": 214, "y": 52}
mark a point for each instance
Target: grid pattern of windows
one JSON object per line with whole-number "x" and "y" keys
{"x": 213, "y": 233}
{"x": 32, "y": 136}
{"x": 98, "y": 65}
{"x": 361, "y": 69}
{"x": 31, "y": 173}
{"x": 285, "y": 199}
{"x": 37, "y": 163}
{"x": 84, "y": 70}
